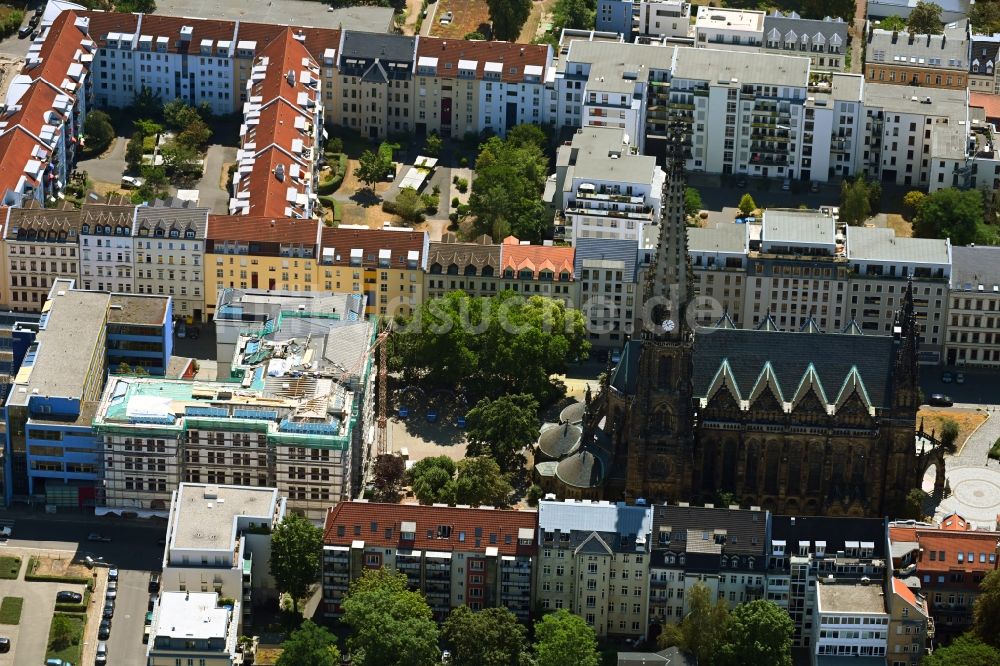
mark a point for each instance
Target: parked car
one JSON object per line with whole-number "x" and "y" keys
{"x": 182, "y": 330}
{"x": 68, "y": 597}
{"x": 113, "y": 573}
{"x": 959, "y": 378}
{"x": 6, "y": 532}
{"x": 102, "y": 654}
{"x": 24, "y": 32}
{"x": 154, "y": 583}
{"x": 109, "y": 609}
{"x": 97, "y": 536}
{"x": 947, "y": 378}
{"x": 4, "y": 644}
{"x": 130, "y": 182}
{"x": 57, "y": 662}
{"x": 194, "y": 333}
{"x": 111, "y": 593}
{"x": 104, "y": 631}
{"x": 940, "y": 400}
{"x": 149, "y": 618}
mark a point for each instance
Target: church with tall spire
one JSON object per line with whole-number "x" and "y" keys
{"x": 798, "y": 422}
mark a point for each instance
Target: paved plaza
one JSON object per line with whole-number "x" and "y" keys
{"x": 973, "y": 478}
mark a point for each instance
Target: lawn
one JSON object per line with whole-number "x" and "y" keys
{"x": 74, "y": 649}
{"x": 469, "y": 16}
{"x": 10, "y": 567}
{"x": 968, "y": 420}
{"x": 10, "y": 610}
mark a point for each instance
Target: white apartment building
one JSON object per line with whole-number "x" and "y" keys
{"x": 718, "y": 27}
{"x": 191, "y": 627}
{"x": 661, "y": 18}
{"x": 169, "y": 248}
{"x": 595, "y": 563}
{"x": 719, "y": 258}
{"x": 974, "y": 308}
{"x": 218, "y": 539}
{"x": 106, "y": 247}
{"x": 605, "y": 190}
{"x": 505, "y": 100}
{"x": 849, "y": 621}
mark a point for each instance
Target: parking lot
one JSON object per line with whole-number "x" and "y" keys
{"x": 283, "y": 12}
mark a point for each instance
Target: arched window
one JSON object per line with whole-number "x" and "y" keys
{"x": 452, "y": 269}
{"x": 487, "y": 271}
{"x": 470, "y": 270}
{"x": 436, "y": 268}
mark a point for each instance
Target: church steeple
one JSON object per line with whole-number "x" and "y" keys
{"x": 668, "y": 283}
{"x": 906, "y": 335}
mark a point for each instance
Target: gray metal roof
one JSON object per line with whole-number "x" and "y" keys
{"x": 797, "y": 226}
{"x": 974, "y": 266}
{"x": 913, "y": 99}
{"x": 878, "y": 244}
{"x": 827, "y": 27}
{"x": 723, "y": 66}
{"x": 984, "y": 49}
{"x": 724, "y": 237}
{"x": 616, "y": 518}
{"x": 742, "y": 526}
{"x": 950, "y": 48}
{"x": 371, "y": 45}
{"x": 168, "y": 217}
{"x": 618, "y": 67}
{"x": 607, "y": 249}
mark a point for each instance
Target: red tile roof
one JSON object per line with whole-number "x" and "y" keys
{"x": 955, "y": 523}
{"x": 35, "y": 104}
{"x": 101, "y": 23}
{"x": 467, "y": 529}
{"x": 268, "y": 192}
{"x": 317, "y": 40}
{"x": 899, "y": 587}
{"x": 535, "y": 258}
{"x": 981, "y": 545}
{"x": 64, "y": 43}
{"x": 262, "y": 229}
{"x": 158, "y": 25}
{"x": 285, "y": 54}
{"x": 16, "y": 149}
{"x": 989, "y": 103}
{"x": 370, "y": 241}
{"x": 516, "y": 56}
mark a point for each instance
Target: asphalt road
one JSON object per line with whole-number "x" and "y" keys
{"x": 110, "y": 167}
{"x": 283, "y": 12}
{"x": 210, "y": 195}
{"x": 125, "y": 645}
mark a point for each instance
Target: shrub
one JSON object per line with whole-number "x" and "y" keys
{"x": 455, "y": 202}
{"x": 462, "y": 184}
{"x": 463, "y": 162}
{"x": 12, "y": 23}
{"x": 337, "y": 170}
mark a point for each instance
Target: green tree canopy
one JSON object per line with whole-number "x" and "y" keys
{"x": 949, "y": 433}
{"x": 433, "y": 480}
{"x": 372, "y": 167}
{"x": 390, "y": 625}
{"x": 985, "y": 17}
{"x": 693, "y": 203}
{"x": 99, "y": 131}
{"x": 564, "y": 639}
{"x": 508, "y": 16}
{"x": 759, "y": 633}
{"x": 986, "y": 612}
{"x": 501, "y": 428}
{"x": 309, "y": 645}
{"x": 432, "y": 145}
{"x": 491, "y": 344}
{"x": 703, "y": 630}
{"x": 296, "y": 545}
{"x": 408, "y": 205}
{"x": 950, "y": 213}
{"x": 925, "y": 18}
{"x": 855, "y": 204}
{"x": 897, "y": 23}
{"x": 490, "y": 637}
{"x": 577, "y": 14}
{"x": 747, "y": 204}
{"x": 912, "y": 201}
{"x": 481, "y": 481}
{"x": 506, "y": 194}
{"x": 526, "y": 135}
{"x": 965, "y": 650}
{"x": 387, "y": 476}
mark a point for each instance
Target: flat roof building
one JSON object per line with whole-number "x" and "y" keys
{"x": 192, "y": 626}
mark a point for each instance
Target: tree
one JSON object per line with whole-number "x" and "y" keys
{"x": 372, "y": 167}
{"x": 177, "y": 114}
{"x": 501, "y": 428}
{"x": 915, "y": 504}
{"x": 99, "y": 131}
{"x": 925, "y": 19}
{"x": 966, "y": 650}
{"x": 309, "y": 645}
{"x": 181, "y": 161}
{"x": 154, "y": 183}
{"x": 564, "y": 639}
{"x": 510, "y": 178}
{"x": 490, "y": 637}
{"x": 296, "y": 545}
{"x": 985, "y": 17}
{"x": 577, "y": 14}
{"x": 950, "y": 213}
{"x": 986, "y": 612}
{"x": 949, "y": 433}
{"x": 391, "y": 626}
{"x": 61, "y": 632}
{"x": 136, "y": 6}
{"x": 759, "y": 633}
{"x": 526, "y": 135}
{"x": 432, "y": 145}
{"x": 481, "y": 481}
{"x": 433, "y": 480}
{"x": 474, "y": 35}
{"x": 145, "y": 103}
{"x": 874, "y": 191}
{"x": 195, "y": 134}
{"x": 508, "y": 16}
{"x": 703, "y": 629}
{"x": 818, "y": 9}
{"x": 388, "y": 475}
{"x": 747, "y": 205}
{"x": 894, "y": 23}
{"x": 408, "y": 205}
{"x": 855, "y": 206}
{"x": 692, "y": 202}
{"x": 912, "y": 201}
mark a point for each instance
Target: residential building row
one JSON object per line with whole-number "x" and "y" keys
{"x": 628, "y": 570}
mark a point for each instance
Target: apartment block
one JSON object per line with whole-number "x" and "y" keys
{"x": 376, "y": 72}
{"x": 610, "y": 295}
{"x": 823, "y": 41}
{"x": 602, "y": 189}
{"x": 385, "y": 266}
{"x": 982, "y": 64}
{"x": 41, "y": 122}
{"x": 219, "y": 540}
{"x": 850, "y": 622}
{"x": 193, "y": 625}
{"x": 808, "y": 555}
{"x": 169, "y": 248}
{"x": 911, "y": 629}
{"x": 973, "y": 326}
{"x": 106, "y": 246}
{"x": 945, "y": 563}
{"x": 720, "y": 261}
{"x": 724, "y": 548}
{"x": 719, "y": 27}
{"x": 910, "y": 59}
{"x": 281, "y": 142}
{"x": 456, "y": 556}
{"x": 470, "y": 267}
{"x": 256, "y": 252}
{"x": 644, "y": 18}
{"x": 42, "y": 247}
{"x": 595, "y": 559}
{"x": 538, "y": 270}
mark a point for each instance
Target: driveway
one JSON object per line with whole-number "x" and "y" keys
{"x": 125, "y": 645}
{"x": 210, "y": 194}
{"x": 109, "y": 167}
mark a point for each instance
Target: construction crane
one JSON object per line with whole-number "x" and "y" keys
{"x": 381, "y": 421}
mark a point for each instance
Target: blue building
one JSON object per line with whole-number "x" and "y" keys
{"x": 52, "y": 455}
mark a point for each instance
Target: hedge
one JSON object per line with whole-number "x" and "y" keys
{"x": 32, "y": 577}
{"x": 11, "y": 23}
{"x": 327, "y": 187}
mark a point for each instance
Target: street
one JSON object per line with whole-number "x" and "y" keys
{"x": 125, "y": 645}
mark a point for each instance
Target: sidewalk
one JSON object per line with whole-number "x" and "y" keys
{"x": 94, "y": 613}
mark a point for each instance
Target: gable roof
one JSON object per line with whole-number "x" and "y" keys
{"x": 535, "y": 258}
{"x": 262, "y": 229}
{"x": 452, "y": 56}
{"x": 381, "y": 46}
{"x": 745, "y": 529}
{"x": 339, "y": 242}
